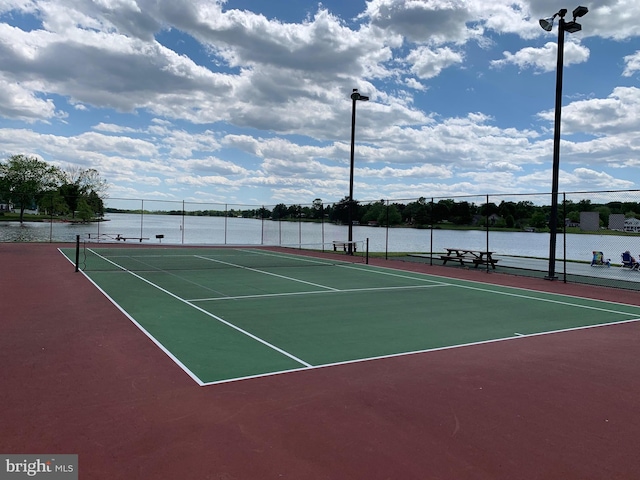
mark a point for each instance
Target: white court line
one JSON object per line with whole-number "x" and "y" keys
{"x": 296, "y": 257}
{"x": 209, "y": 314}
{"x": 428, "y": 350}
{"x": 266, "y": 273}
{"x": 314, "y": 292}
{"x": 416, "y": 276}
{"x": 510, "y": 294}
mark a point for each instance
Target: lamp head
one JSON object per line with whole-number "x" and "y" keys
{"x": 580, "y": 12}
{"x": 356, "y": 96}
{"x": 572, "y": 27}
{"x": 547, "y": 23}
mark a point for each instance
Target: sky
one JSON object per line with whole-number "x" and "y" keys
{"x": 248, "y": 101}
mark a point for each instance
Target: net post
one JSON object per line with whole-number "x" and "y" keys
{"x": 366, "y": 256}
{"x": 77, "y": 252}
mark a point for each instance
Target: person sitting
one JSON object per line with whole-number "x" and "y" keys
{"x": 598, "y": 259}
{"x": 629, "y": 261}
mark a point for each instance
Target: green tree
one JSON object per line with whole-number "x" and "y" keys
{"x": 375, "y": 212}
{"x": 574, "y": 216}
{"x": 604, "y": 213}
{"x": 84, "y": 210}
{"x": 96, "y": 203}
{"x": 509, "y": 221}
{"x": 416, "y": 213}
{"x": 391, "y": 216}
{"x": 524, "y": 210}
{"x": 293, "y": 211}
{"x": 317, "y": 209}
{"x": 72, "y": 194}
{"x": 52, "y": 203}
{"x": 462, "y": 213}
{"x": 539, "y": 220}
{"x": 26, "y": 179}
{"x": 442, "y": 210}
{"x": 279, "y": 211}
{"x": 87, "y": 185}
{"x": 340, "y": 211}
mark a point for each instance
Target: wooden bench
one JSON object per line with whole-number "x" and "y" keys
{"x": 124, "y": 239}
{"x": 343, "y": 244}
{"x": 463, "y": 255}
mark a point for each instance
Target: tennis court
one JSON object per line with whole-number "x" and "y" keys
{"x": 80, "y": 377}
{"x": 224, "y": 314}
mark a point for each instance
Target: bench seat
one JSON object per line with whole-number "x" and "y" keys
{"x": 344, "y": 245}
{"x": 478, "y": 261}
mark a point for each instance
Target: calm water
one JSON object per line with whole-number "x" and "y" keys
{"x": 219, "y": 230}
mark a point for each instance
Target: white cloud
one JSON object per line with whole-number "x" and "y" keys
{"x": 434, "y": 22}
{"x": 428, "y": 63}
{"x": 544, "y": 59}
{"x": 266, "y": 102}
{"x": 616, "y": 115}
{"x": 632, "y": 64}
{"x": 22, "y": 103}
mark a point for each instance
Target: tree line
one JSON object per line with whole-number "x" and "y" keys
{"x": 423, "y": 213}
{"x": 28, "y": 183}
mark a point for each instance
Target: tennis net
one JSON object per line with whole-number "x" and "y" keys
{"x": 110, "y": 257}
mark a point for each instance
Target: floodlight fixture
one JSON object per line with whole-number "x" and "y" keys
{"x": 580, "y": 12}
{"x": 357, "y": 96}
{"x": 572, "y": 27}
{"x": 547, "y": 23}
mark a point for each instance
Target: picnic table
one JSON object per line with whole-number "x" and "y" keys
{"x": 465, "y": 255}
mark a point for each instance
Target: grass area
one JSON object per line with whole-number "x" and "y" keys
{"x": 30, "y": 217}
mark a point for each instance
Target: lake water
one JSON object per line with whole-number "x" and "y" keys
{"x": 244, "y": 231}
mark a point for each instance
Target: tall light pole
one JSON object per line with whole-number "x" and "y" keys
{"x": 355, "y": 96}
{"x": 571, "y": 27}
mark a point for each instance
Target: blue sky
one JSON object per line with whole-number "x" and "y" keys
{"x": 247, "y": 102}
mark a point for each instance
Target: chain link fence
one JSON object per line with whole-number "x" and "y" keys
{"x": 595, "y": 229}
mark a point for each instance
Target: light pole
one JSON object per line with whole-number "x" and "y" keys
{"x": 355, "y": 96}
{"x": 571, "y": 27}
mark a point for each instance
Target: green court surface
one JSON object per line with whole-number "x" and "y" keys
{"x": 229, "y": 313}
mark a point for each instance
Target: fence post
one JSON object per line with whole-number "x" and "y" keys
{"x": 77, "y": 252}
{"x": 322, "y": 225}
{"x": 487, "y": 228}
{"x": 386, "y": 242}
{"x": 262, "y": 226}
{"x": 299, "y": 226}
{"x": 564, "y": 235}
{"x": 141, "y": 217}
{"x": 431, "y": 233}
{"x": 51, "y": 222}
